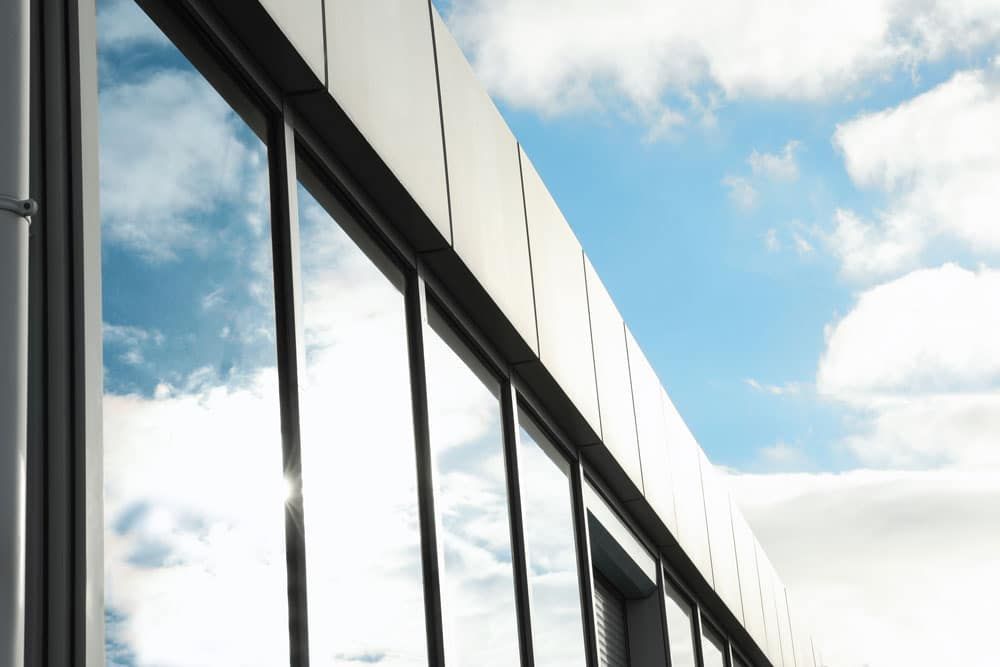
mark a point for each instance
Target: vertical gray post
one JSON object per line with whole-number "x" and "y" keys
{"x": 14, "y": 79}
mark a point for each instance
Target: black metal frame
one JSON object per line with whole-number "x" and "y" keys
{"x": 416, "y": 321}
{"x": 64, "y": 532}
{"x": 65, "y": 598}
{"x": 668, "y": 578}
{"x": 706, "y": 622}
{"x": 288, "y": 291}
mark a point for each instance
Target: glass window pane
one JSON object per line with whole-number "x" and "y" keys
{"x": 713, "y": 648}
{"x": 194, "y": 490}
{"x": 680, "y": 628}
{"x": 363, "y": 563}
{"x": 556, "y": 620}
{"x": 471, "y": 501}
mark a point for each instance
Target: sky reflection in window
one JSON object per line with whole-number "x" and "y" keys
{"x": 363, "y": 560}
{"x": 680, "y": 627}
{"x": 556, "y": 621}
{"x": 194, "y": 542}
{"x": 471, "y": 501}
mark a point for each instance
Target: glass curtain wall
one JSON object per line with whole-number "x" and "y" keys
{"x": 194, "y": 487}
{"x": 553, "y": 575}
{"x": 363, "y": 559}
{"x": 194, "y": 490}
{"x": 680, "y": 627}
{"x": 713, "y": 648}
{"x": 471, "y": 501}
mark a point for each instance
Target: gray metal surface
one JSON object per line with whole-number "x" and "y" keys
{"x": 784, "y": 624}
{"x": 647, "y": 404}
{"x": 646, "y": 645}
{"x": 381, "y": 71}
{"x": 487, "y": 206}
{"x": 14, "y": 104}
{"x": 769, "y": 601}
{"x": 88, "y": 344}
{"x": 720, "y": 538}
{"x": 685, "y": 459}
{"x": 615, "y": 550}
{"x": 746, "y": 561}
{"x": 801, "y": 637}
{"x": 614, "y": 385}
{"x": 13, "y": 427}
{"x": 564, "y": 342}
{"x": 612, "y": 634}
{"x": 301, "y": 21}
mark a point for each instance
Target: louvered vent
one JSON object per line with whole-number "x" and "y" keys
{"x": 609, "y": 612}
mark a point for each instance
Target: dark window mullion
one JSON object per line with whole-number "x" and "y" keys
{"x": 290, "y": 345}
{"x": 584, "y": 564}
{"x": 699, "y": 635}
{"x": 519, "y": 553}
{"x": 661, "y": 591}
{"x": 416, "y": 327}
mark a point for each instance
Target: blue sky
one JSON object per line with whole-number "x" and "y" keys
{"x": 690, "y": 269}
{"x": 794, "y": 206}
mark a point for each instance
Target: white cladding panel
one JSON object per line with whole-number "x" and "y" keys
{"x": 564, "y": 342}
{"x": 382, "y": 74}
{"x": 484, "y": 177}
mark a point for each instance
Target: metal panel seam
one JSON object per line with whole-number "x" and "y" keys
{"x": 635, "y": 416}
{"x": 527, "y": 235}
{"x": 326, "y": 49}
{"x": 704, "y": 504}
{"x": 444, "y": 140}
{"x": 736, "y": 553}
{"x": 593, "y": 352}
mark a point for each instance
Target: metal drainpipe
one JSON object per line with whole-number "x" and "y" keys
{"x": 14, "y": 211}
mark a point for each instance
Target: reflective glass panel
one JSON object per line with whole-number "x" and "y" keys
{"x": 363, "y": 563}
{"x": 556, "y": 621}
{"x": 713, "y": 648}
{"x": 471, "y": 501}
{"x": 193, "y": 485}
{"x": 680, "y": 628}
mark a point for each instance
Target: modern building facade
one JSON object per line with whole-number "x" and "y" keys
{"x": 307, "y": 367}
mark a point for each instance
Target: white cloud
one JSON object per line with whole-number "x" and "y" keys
{"x": 874, "y": 559}
{"x": 917, "y": 364}
{"x": 788, "y": 388}
{"x": 957, "y": 430}
{"x": 181, "y": 542}
{"x": 131, "y": 341}
{"x": 771, "y": 241}
{"x": 865, "y": 250}
{"x": 561, "y": 55}
{"x": 171, "y": 154}
{"x": 782, "y": 454}
{"x": 932, "y": 330}
{"x": 120, "y": 26}
{"x": 664, "y": 125}
{"x": 213, "y": 299}
{"x": 129, "y": 335}
{"x": 777, "y": 166}
{"x": 741, "y": 192}
{"x": 802, "y": 245}
{"x": 933, "y": 159}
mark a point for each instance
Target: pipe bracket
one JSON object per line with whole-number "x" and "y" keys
{"x": 22, "y": 207}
